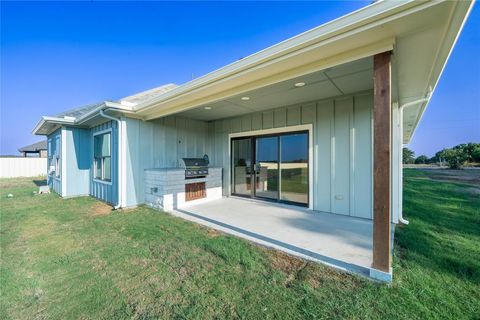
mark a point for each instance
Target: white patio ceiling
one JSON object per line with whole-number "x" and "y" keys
{"x": 344, "y": 79}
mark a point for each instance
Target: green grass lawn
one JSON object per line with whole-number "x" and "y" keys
{"x": 73, "y": 258}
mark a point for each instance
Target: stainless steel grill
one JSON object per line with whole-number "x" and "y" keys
{"x": 196, "y": 167}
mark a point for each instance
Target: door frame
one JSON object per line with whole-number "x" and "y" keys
{"x": 273, "y": 131}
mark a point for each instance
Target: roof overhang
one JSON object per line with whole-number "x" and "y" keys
{"x": 47, "y": 125}
{"x": 420, "y": 33}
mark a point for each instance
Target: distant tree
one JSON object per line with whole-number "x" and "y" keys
{"x": 476, "y": 153}
{"x": 455, "y": 157}
{"x": 470, "y": 149}
{"x": 408, "y": 156}
{"x": 421, "y": 159}
{"x": 436, "y": 158}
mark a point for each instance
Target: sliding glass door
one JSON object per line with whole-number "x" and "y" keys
{"x": 294, "y": 168}
{"x": 242, "y": 166}
{"x": 266, "y": 167}
{"x": 272, "y": 167}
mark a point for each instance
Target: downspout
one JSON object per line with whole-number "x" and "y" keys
{"x": 119, "y": 157}
{"x": 406, "y": 105}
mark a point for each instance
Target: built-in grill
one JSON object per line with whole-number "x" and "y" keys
{"x": 196, "y": 167}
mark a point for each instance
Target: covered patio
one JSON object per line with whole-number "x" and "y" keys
{"x": 340, "y": 241}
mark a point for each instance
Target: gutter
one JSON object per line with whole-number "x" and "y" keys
{"x": 87, "y": 116}
{"x": 366, "y": 17}
{"x": 119, "y": 157}
{"x": 401, "y": 108}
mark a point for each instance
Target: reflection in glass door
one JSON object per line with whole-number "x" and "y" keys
{"x": 266, "y": 167}
{"x": 273, "y": 167}
{"x": 294, "y": 168}
{"x": 242, "y": 172}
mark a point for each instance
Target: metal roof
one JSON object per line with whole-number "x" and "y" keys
{"x": 34, "y": 147}
{"x": 79, "y": 111}
{"x": 148, "y": 94}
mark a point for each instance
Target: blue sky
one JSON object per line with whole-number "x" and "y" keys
{"x": 55, "y": 56}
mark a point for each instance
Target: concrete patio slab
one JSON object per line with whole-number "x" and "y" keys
{"x": 340, "y": 241}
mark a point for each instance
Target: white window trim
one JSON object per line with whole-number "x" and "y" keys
{"x": 107, "y": 182}
{"x": 57, "y": 166}
{"x": 303, "y": 127}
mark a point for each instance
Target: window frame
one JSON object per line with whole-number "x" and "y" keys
{"x": 102, "y": 178}
{"x": 57, "y": 166}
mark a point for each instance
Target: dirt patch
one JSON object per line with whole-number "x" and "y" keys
{"x": 318, "y": 276}
{"x": 314, "y": 274}
{"x": 213, "y": 233}
{"x": 285, "y": 262}
{"x": 100, "y": 209}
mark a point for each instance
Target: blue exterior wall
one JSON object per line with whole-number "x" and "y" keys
{"x": 159, "y": 144}
{"x": 78, "y": 161}
{"x": 54, "y": 149}
{"x": 106, "y": 191}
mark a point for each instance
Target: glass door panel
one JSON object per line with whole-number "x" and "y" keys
{"x": 294, "y": 168}
{"x": 266, "y": 167}
{"x": 242, "y": 172}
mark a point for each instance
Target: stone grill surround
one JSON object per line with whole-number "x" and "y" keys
{"x": 165, "y": 187}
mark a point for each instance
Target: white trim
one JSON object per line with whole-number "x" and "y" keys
{"x": 122, "y": 181}
{"x": 165, "y": 107}
{"x": 443, "y": 50}
{"x": 302, "y": 127}
{"x": 63, "y": 160}
{"x": 102, "y": 132}
{"x": 373, "y": 15}
{"x": 102, "y": 181}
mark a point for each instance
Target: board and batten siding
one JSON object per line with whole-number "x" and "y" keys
{"x": 54, "y": 150}
{"x": 78, "y": 161}
{"x": 106, "y": 191}
{"x": 342, "y": 140}
{"x": 159, "y": 143}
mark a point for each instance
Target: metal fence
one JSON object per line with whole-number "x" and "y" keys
{"x": 22, "y": 167}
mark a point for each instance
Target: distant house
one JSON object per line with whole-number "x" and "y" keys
{"x": 315, "y": 124}
{"x": 37, "y": 149}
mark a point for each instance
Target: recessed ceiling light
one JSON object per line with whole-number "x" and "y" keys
{"x": 208, "y": 108}
{"x": 245, "y": 98}
{"x": 299, "y": 84}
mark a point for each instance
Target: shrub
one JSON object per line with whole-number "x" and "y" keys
{"x": 455, "y": 158}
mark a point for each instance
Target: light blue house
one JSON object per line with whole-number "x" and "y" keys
{"x": 317, "y": 121}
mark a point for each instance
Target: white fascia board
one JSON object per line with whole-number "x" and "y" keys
{"x": 79, "y": 121}
{"x": 105, "y": 105}
{"x": 38, "y": 126}
{"x": 355, "y": 20}
{"x": 253, "y": 84}
{"x": 450, "y": 38}
{"x": 124, "y": 106}
{"x": 55, "y": 120}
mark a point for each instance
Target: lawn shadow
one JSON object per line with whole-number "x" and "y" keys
{"x": 40, "y": 183}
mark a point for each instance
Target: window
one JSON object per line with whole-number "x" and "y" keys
{"x": 53, "y": 156}
{"x": 57, "y": 166}
{"x": 102, "y": 157}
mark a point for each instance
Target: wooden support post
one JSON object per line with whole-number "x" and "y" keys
{"x": 381, "y": 161}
